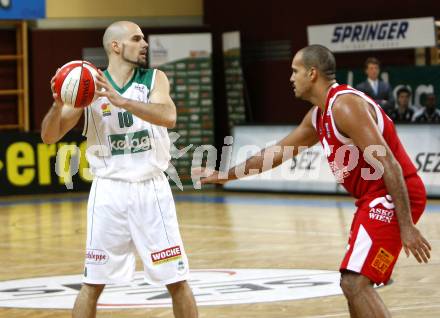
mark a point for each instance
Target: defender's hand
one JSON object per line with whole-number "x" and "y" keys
{"x": 206, "y": 176}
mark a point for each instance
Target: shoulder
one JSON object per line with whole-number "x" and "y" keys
{"x": 161, "y": 80}
{"x": 350, "y": 110}
{"x": 160, "y": 76}
{"x": 348, "y": 102}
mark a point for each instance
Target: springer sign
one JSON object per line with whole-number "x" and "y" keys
{"x": 374, "y": 35}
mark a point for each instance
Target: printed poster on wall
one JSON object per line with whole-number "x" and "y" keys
{"x": 186, "y": 59}
{"x": 233, "y": 78}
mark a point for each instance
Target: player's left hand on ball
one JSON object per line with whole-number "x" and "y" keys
{"x": 413, "y": 242}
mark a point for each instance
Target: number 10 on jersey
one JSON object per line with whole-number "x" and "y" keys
{"x": 125, "y": 119}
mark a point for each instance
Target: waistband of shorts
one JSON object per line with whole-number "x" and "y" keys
{"x": 158, "y": 174}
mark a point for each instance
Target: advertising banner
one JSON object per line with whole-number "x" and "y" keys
{"x": 309, "y": 171}
{"x": 374, "y": 35}
{"x": 28, "y": 166}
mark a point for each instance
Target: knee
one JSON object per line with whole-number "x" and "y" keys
{"x": 352, "y": 284}
{"x": 92, "y": 291}
{"x": 176, "y": 288}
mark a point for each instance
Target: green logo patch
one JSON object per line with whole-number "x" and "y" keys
{"x": 138, "y": 141}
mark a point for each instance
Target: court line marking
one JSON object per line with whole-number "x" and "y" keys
{"x": 81, "y": 263}
{"x": 223, "y": 251}
{"x": 258, "y": 230}
{"x": 410, "y": 307}
{"x": 228, "y": 199}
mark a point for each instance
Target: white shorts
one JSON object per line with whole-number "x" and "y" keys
{"x": 126, "y": 216}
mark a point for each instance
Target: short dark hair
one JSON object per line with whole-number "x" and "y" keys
{"x": 372, "y": 60}
{"x": 320, "y": 57}
{"x": 403, "y": 90}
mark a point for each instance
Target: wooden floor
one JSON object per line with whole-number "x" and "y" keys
{"x": 44, "y": 236}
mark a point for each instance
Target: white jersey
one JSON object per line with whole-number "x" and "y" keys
{"x": 120, "y": 145}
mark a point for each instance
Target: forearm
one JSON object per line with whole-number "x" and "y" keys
{"x": 249, "y": 167}
{"x": 396, "y": 186}
{"x": 157, "y": 114}
{"x": 265, "y": 160}
{"x": 51, "y": 125}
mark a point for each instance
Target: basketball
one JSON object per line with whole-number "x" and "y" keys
{"x": 75, "y": 83}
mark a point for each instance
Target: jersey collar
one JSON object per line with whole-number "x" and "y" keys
{"x": 120, "y": 90}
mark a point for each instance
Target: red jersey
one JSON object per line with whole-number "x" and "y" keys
{"x": 346, "y": 160}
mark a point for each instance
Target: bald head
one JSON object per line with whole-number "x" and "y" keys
{"x": 116, "y": 32}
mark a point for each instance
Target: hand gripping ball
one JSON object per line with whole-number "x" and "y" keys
{"x": 75, "y": 83}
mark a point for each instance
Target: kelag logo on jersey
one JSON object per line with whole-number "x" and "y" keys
{"x": 129, "y": 143}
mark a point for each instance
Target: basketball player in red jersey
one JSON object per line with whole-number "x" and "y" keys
{"x": 367, "y": 158}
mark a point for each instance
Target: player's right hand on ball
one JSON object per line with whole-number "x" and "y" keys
{"x": 57, "y": 100}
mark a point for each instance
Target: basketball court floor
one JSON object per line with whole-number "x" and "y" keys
{"x": 251, "y": 255}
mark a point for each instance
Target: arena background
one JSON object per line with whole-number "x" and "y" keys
{"x": 235, "y": 74}
{"x": 267, "y": 36}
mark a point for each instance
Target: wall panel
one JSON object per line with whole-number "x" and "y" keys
{"x": 126, "y": 8}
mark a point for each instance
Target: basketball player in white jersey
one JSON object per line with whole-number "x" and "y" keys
{"x": 130, "y": 205}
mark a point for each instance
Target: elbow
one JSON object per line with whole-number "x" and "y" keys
{"x": 171, "y": 122}
{"x": 47, "y": 139}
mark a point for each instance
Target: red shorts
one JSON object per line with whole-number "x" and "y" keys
{"x": 374, "y": 243}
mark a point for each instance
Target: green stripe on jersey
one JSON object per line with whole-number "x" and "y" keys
{"x": 140, "y": 76}
{"x": 144, "y": 76}
{"x": 120, "y": 90}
